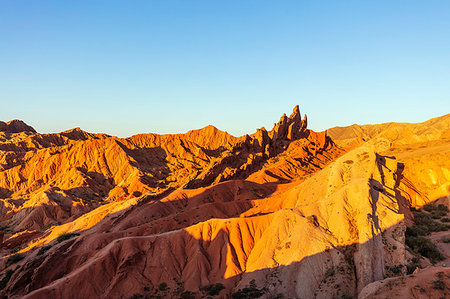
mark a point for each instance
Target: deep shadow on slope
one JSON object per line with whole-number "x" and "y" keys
{"x": 112, "y": 264}
{"x": 151, "y": 161}
{"x": 141, "y": 256}
{"x": 100, "y": 266}
{"x": 151, "y": 216}
{"x": 253, "y": 159}
{"x": 134, "y": 267}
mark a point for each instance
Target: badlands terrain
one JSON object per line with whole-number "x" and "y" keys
{"x": 352, "y": 212}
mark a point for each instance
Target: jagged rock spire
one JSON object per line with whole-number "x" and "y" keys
{"x": 289, "y": 128}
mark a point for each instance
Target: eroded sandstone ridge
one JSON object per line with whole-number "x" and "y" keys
{"x": 279, "y": 213}
{"x": 67, "y": 174}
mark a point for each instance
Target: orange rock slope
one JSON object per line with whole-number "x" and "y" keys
{"x": 423, "y": 147}
{"x": 280, "y": 213}
{"x": 64, "y": 175}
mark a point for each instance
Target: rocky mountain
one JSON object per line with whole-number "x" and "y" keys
{"x": 15, "y": 126}
{"x": 285, "y": 213}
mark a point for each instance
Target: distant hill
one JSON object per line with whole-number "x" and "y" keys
{"x": 399, "y": 133}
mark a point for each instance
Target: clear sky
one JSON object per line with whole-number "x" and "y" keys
{"x": 126, "y": 67}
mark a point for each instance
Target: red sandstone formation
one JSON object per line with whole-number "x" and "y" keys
{"x": 277, "y": 213}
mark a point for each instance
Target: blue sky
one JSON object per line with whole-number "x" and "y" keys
{"x": 126, "y": 67}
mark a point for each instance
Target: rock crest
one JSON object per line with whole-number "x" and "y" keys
{"x": 15, "y": 126}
